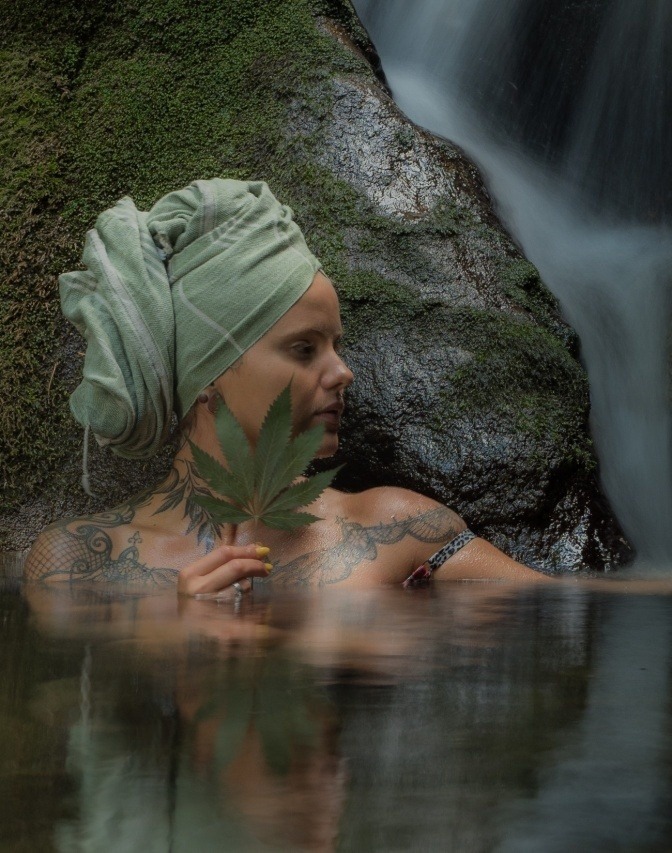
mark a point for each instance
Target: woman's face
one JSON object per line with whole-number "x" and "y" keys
{"x": 302, "y": 347}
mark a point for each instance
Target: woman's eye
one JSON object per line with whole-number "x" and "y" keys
{"x": 303, "y": 350}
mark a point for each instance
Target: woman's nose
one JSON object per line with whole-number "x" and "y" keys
{"x": 348, "y": 375}
{"x": 339, "y": 375}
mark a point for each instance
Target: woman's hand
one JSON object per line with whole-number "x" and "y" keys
{"x": 220, "y": 569}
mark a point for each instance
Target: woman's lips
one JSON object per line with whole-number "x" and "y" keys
{"x": 330, "y": 417}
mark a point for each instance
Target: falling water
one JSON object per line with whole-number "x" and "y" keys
{"x": 566, "y": 105}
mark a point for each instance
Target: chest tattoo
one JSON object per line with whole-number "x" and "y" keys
{"x": 85, "y": 554}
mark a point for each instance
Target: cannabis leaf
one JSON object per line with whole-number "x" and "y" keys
{"x": 259, "y": 485}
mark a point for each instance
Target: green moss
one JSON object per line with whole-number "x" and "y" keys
{"x": 514, "y": 372}
{"x": 447, "y": 219}
{"x": 522, "y": 283}
{"x": 520, "y": 273}
{"x": 363, "y": 286}
{"x": 522, "y": 374}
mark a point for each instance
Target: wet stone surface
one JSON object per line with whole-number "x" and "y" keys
{"x": 382, "y": 154}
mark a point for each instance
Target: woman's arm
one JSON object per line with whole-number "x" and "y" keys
{"x": 436, "y": 526}
{"x": 424, "y": 527}
{"x": 479, "y": 560}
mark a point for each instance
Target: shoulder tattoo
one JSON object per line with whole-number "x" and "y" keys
{"x": 359, "y": 543}
{"x": 83, "y": 552}
{"x": 81, "y": 549}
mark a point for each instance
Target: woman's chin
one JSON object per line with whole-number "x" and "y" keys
{"x": 329, "y": 446}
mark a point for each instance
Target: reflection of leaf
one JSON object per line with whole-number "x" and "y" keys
{"x": 286, "y": 715}
{"x": 259, "y": 486}
{"x": 230, "y": 701}
{"x": 272, "y": 695}
{"x": 230, "y": 733}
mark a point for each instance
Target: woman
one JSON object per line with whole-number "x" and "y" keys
{"x": 213, "y": 295}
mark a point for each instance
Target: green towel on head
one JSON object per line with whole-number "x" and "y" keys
{"x": 171, "y": 298}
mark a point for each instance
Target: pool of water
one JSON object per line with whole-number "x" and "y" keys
{"x": 467, "y": 717}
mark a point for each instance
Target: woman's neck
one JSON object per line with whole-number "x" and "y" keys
{"x": 175, "y": 497}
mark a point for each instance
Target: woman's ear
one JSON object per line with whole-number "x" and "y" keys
{"x": 209, "y": 397}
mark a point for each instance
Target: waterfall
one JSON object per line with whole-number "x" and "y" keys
{"x": 566, "y": 106}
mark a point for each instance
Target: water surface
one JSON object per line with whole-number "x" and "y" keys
{"x": 463, "y": 717}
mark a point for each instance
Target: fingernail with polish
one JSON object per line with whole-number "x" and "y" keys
{"x": 268, "y": 567}
{"x": 262, "y": 551}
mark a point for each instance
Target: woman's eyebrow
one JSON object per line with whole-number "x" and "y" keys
{"x": 322, "y": 331}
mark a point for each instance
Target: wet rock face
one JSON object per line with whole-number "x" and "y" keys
{"x": 372, "y": 144}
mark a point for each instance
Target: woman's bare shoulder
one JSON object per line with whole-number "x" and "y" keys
{"x": 423, "y": 525}
{"x": 86, "y": 548}
{"x": 386, "y": 504}
{"x": 411, "y": 527}
{"x": 59, "y": 550}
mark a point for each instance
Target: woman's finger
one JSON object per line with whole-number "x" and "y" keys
{"x": 237, "y": 588}
{"x": 223, "y": 554}
{"x": 223, "y": 576}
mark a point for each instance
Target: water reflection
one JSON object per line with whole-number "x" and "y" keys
{"x": 475, "y": 717}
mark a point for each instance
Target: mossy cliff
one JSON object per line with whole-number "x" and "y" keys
{"x": 476, "y": 395}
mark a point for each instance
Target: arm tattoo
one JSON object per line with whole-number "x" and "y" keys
{"x": 359, "y": 543}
